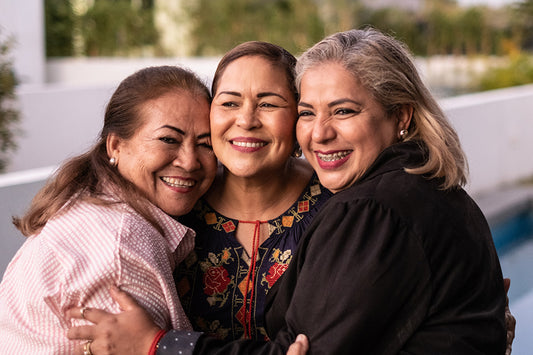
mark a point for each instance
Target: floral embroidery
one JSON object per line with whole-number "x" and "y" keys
{"x": 274, "y": 273}
{"x": 213, "y": 280}
{"x": 216, "y": 278}
{"x": 281, "y": 263}
{"x": 214, "y": 328}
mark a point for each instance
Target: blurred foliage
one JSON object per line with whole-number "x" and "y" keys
{"x": 439, "y": 27}
{"x": 106, "y": 28}
{"x": 219, "y": 25}
{"x": 9, "y": 116}
{"x": 59, "y": 24}
{"x": 117, "y": 28}
{"x": 519, "y": 71}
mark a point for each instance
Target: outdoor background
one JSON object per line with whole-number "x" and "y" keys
{"x": 60, "y": 61}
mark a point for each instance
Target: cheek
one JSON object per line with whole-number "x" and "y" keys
{"x": 302, "y": 132}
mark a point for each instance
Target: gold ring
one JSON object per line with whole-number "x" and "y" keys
{"x": 87, "y": 348}
{"x": 82, "y": 312}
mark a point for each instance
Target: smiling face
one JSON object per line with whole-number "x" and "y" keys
{"x": 253, "y": 117}
{"x": 169, "y": 157}
{"x": 341, "y": 128}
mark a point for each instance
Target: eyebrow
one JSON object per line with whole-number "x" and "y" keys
{"x": 260, "y": 95}
{"x": 332, "y": 103}
{"x": 179, "y": 131}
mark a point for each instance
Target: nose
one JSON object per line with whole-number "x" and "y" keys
{"x": 188, "y": 158}
{"x": 247, "y": 117}
{"x": 323, "y": 130}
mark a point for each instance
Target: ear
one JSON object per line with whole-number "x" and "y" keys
{"x": 113, "y": 143}
{"x": 404, "y": 117}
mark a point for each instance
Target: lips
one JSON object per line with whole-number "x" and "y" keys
{"x": 179, "y": 183}
{"x": 333, "y": 156}
{"x": 332, "y": 160}
{"x": 247, "y": 144}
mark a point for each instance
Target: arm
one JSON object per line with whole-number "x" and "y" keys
{"x": 132, "y": 331}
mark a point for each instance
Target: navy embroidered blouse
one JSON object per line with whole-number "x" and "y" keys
{"x": 212, "y": 281}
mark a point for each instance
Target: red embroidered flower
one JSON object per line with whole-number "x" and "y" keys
{"x": 275, "y": 272}
{"x": 216, "y": 280}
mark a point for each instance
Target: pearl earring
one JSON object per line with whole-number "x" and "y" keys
{"x": 113, "y": 161}
{"x": 403, "y": 133}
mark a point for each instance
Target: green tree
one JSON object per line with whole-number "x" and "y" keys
{"x": 9, "y": 116}
{"x": 524, "y": 22}
{"x": 112, "y": 28}
{"x": 219, "y": 25}
{"x": 519, "y": 71}
{"x": 59, "y": 28}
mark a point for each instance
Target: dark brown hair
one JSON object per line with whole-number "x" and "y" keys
{"x": 84, "y": 176}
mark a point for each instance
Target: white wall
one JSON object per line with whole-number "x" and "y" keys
{"x": 64, "y": 117}
{"x": 496, "y": 131}
{"x": 24, "y": 19}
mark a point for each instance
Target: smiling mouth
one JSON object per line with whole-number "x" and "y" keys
{"x": 249, "y": 144}
{"x": 178, "y": 182}
{"x": 334, "y": 156}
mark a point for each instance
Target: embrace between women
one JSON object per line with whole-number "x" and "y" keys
{"x": 398, "y": 260}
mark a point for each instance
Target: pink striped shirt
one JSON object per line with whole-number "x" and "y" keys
{"x": 74, "y": 260}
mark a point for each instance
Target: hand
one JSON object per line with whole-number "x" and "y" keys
{"x": 510, "y": 321}
{"x": 300, "y": 346}
{"x": 129, "y": 332}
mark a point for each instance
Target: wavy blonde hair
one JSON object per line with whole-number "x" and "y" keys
{"x": 384, "y": 67}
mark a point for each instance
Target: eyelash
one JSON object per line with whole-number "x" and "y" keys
{"x": 168, "y": 140}
{"x": 206, "y": 145}
{"x": 229, "y": 104}
{"x": 305, "y": 113}
{"x": 345, "y": 111}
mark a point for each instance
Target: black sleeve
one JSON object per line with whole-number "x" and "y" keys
{"x": 362, "y": 284}
{"x": 178, "y": 342}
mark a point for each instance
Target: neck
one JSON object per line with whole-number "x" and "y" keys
{"x": 260, "y": 197}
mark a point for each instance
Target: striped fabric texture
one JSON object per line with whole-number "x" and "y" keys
{"x": 75, "y": 259}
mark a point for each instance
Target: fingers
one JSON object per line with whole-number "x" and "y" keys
{"x": 300, "y": 346}
{"x": 125, "y": 301}
{"x": 84, "y": 332}
{"x": 93, "y": 315}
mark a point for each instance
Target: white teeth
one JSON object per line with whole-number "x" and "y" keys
{"x": 334, "y": 156}
{"x": 178, "y": 182}
{"x": 249, "y": 144}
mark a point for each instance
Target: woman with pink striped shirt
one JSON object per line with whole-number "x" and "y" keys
{"x": 105, "y": 217}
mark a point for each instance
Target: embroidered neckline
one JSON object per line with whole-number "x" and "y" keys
{"x": 285, "y": 220}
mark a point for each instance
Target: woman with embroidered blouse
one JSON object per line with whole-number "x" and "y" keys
{"x": 262, "y": 199}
